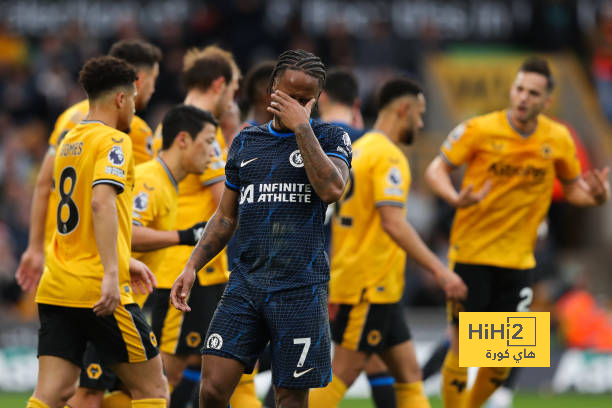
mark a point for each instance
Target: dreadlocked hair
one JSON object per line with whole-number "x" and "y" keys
{"x": 298, "y": 60}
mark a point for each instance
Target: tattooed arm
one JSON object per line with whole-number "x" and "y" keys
{"x": 218, "y": 232}
{"x": 328, "y": 175}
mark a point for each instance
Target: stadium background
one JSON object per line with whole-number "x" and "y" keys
{"x": 464, "y": 52}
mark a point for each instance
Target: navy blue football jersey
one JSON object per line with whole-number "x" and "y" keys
{"x": 280, "y": 237}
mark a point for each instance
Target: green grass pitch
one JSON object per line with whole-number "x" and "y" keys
{"x": 521, "y": 400}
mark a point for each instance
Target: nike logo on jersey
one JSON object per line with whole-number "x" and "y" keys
{"x": 117, "y": 141}
{"x": 298, "y": 375}
{"x": 244, "y": 163}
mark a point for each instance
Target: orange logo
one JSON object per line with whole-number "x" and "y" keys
{"x": 374, "y": 337}
{"x": 193, "y": 339}
{"x": 94, "y": 371}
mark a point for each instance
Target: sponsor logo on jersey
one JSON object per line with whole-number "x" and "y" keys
{"x": 116, "y": 156}
{"x": 295, "y": 158}
{"x": 276, "y": 193}
{"x": 546, "y": 151}
{"x": 215, "y": 341}
{"x": 501, "y": 169}
{"x": 141, "y": 201}
{"x": 245, "y": 162}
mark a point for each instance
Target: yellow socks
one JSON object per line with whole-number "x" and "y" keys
{"x": 454, "y": 381}
{"x": 329, "y": 396}
{"x": 149, "y": 403}
{"x": 244, "y": 394}
{"x": 116, "y": 399}
{"x": 487, "y": 381}
{"x": 36, "y": 403}
{"x": 411, "y": 395}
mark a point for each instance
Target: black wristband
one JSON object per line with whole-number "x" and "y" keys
{"x": 186, "y": 237}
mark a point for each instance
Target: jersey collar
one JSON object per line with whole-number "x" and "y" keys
{"x": 279, "y": 134}
{"x": 524, "y": 135}
{"x": 168, "y": 172}
{"x": 88, "y": 121}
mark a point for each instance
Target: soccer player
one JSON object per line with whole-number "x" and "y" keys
{"x": 512, "y": 158}
{"x": 339, "y": 105}
{"x": 371, "y": 238}
{"x": 85, "y": 292}
{"x": 145, "y": 58}
{"x": 188, "y": 137}
{"x": 280, "y": 176}
{"x": 339, "y": 102}
{"x": 211, "y": 78}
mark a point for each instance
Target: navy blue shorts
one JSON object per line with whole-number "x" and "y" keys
{"x": 295, "y": 322}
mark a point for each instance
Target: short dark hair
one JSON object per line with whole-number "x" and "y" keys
{"x": 139, "y": 53}
{"x": 341, "y": 86}
{"x": 539, "y": 66}
{"x": 298, "y": 60}
{"x": 186, "y": 118}
{"x": 204, "y": 70}
{"x": 259, "y": 73}
{"x": 102, "y": 74}
{"x": 396, "y": 88}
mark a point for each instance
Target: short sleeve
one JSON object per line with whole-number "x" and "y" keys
{"x": 145, "y": 209}
{"x": 567, "y": 165}
{"x": 337, "y": 143}
{"x": 113, "y": 160}
{"x": 390, "y": 180}
{"x": 460, "y": 145}
{"x": 232, "y": 176}
{"x": 216, "y": 169}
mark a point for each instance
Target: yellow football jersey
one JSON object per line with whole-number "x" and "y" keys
{"x": 140, "y": 133}
{"x": 155, "y": 207}
{"x": 142, "y": 140}
{"x": 196, "y": 204}
{"x": 366, "y": 262}
{"x": 90, "y": 154}
{"x": 501, "y": 230}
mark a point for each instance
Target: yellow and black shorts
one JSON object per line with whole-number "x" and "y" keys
{"x": 183, "y": 333}
{"x": 123, "y": 337}
{"x": 369, "y": 327}
{"x": 491, "y": 289}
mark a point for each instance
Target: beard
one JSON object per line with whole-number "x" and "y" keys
{"x": 407, "y": 137}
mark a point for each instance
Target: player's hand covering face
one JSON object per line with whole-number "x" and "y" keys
{"x": 143, "y": 280}
{"x": 293, "y": 99}
{"x": 180, "y": 290}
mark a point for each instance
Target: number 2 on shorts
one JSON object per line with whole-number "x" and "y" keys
{"x": 306, "y": 342}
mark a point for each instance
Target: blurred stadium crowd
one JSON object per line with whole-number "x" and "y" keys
{"x": 43, "y": 46}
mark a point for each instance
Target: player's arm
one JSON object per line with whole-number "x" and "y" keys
{"x": 105, "y": 223}
{"x": 32, "y": 260}
{"x": 593, "y": 188}
{"x": 438, "y": 177}
{"x": 146, "y": 239}
{"x": 218, "y": 232}
{"x": 327, "y": 175}
{"x": 404, "y": 235}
